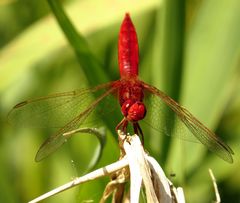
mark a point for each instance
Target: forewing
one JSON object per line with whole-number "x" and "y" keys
{"x": 54, "y": 110}
{"x": 68, "y": 110}
{"x": 160, "y": 105}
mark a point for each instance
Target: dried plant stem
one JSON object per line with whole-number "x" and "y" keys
{"x": 135, "y": 164}
{"x": 105, "y": 171}
{"x": 218, "y": 199}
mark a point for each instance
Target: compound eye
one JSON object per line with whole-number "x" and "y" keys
{"x": 136, "y": 112}
{"x": 125, "y": 107}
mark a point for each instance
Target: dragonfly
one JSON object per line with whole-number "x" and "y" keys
{"x": 136, "y": 100}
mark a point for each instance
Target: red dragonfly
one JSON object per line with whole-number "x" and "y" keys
{"x": 138, "y": 101}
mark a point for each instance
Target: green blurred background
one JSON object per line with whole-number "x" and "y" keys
{"x": 189, "y": 49}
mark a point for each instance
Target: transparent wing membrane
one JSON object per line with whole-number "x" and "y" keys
{"x": 54, "y": 110}
{"x": 68, "y": 110}
{"x": 168, "y": 117}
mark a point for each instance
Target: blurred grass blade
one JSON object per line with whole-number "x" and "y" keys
{"x": 168, "y": 57}
{"x": 169, "y": 47}
{"x": 92, "y": 68}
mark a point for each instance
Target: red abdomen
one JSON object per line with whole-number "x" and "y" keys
{"x": 128, "y": 49}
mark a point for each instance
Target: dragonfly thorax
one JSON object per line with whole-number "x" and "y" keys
{"x": 131, "y": 100}
{"x": 130, "y": 90}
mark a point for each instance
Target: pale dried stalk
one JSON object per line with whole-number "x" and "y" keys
{"x": 218, "y": 199}
{"x": 143, "y": 169}
{"x": 105, "y": 171}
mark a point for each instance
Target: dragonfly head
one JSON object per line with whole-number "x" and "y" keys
{"x": 133, "y": 110}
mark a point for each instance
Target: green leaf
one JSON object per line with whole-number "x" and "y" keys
{"x": 92, "y": 68}
{"x": 168, "y": 63}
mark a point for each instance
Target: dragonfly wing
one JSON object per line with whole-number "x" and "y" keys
{"x": 54, "y": 110}
{"x": 94, "y": 109}
{"x": 69, "y": 109}
{"x": 159, "y": 100}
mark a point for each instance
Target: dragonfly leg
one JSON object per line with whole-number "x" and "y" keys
{"x": 122, "y": 125}
{"x": 138, "y": 130}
